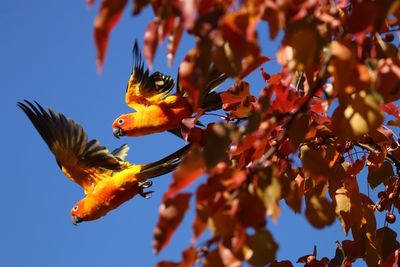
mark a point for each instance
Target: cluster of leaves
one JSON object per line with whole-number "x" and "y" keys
{"x": 337, "y": 58}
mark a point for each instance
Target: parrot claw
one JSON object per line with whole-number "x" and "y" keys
{"x": 146, "y": 195}
{"x": 145, "y": 184}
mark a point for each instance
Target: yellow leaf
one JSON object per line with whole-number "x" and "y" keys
{"x": 360, "y": 115}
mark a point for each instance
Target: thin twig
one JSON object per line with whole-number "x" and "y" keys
{"x": 293, "y": 115}
{"x": 389, "y": 156}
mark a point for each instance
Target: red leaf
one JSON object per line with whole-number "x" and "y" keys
{"x": 109, "y": 15}
{"x": 189, "y": 78}
{"x": 151, "y": 41}
{"x": 265, "y": 75}
{"x": 173, "y": 43}
{"x": 171, "y": 214}
{"x": 90, "y": 3}
{"x": 391, "y": 109}
{"x": 191, "y": 168}
{"x": 392, "y": 260}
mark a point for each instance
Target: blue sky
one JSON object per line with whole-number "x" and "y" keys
{"x": 48, "y": 55}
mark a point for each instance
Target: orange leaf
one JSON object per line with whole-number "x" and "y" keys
{"x": 360, "y": 115}
{"x": 171, "y": 214}
{"x": 191, "y": 168}
{"x": 109, "y": 15}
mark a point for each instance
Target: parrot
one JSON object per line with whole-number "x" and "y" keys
{"x": 108, "y": 180}
{"x": 157, "y": 110}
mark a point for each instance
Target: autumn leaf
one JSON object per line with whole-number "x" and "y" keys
{"x": 298, "y": 130}
{"x": 268, "y": 189}
{"x": 300, "y": 48}
{"x": 218, "y": 140}
{"x": 109, "y": 15}
{"x": 313, "y": 161}
{"x": 387, "y": 242}
{"x": 188, "y": 259}
{"x": 388, "y": 79}
{"x": 190, "y": 169}
{"x": 261, "y": 248}
{"x": 359, "y": 116}
{"x": 171, "y": 214}
{"x": 284, "y": 263}
{"x": 348, "y": 205}
{"x": 319, "y": 211}
{"x": 221, "y": 222}
{"x": 238, "y": 100}
{"x": 238, "y": 59}
{"x": 379, "y": 175}
{"x": 213, "y": 259}
{"x": 250, "y": 211}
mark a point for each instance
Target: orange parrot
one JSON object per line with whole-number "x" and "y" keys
{"x": 106, "y": 177}
{"x": 156, "y": 109}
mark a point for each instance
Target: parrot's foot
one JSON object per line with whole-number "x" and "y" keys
{"x": 144, "y": 185}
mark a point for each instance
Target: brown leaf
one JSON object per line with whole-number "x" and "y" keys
{"x": 313, "y": 160}
{"x": 139, "y": 5}
{"x": 268, "y": 189}
{"x": 262, "y": 248}
{"x": 300, "y": 48}
{"x": 238, "y": 100}
{"x": 249, "y": 64}
{"x": 213, "y": 259}
{"x": 319, "y": 211}
{"x": 380, "y": 175}
{"x": 392, "y": 259}
{"x": 359, "y": 23}
{"x": 359, "y": 116}
{"x": 284, "y": 263}
{"x": 109, "y": 14}
{"x": 251, "y": 211}
{"x": 171, "y": 214}
{"x": 222, "y": 222}
{"x": 227, "y": 256}
{"x": 200, "y": 221}
{"x": 386, "y": 240}
{"x": 234, "y": 58}
{"x": 388, "y": 79}
{"x": 188, "y": 259}
{"x": 218, "y": 140}
{"x": 348, "y": 204}
{"x": 298, "y": 130}
{"x": 190, "y": 169}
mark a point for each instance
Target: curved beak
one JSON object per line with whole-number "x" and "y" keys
{"x": 118, "y": 132}
{"x": 76, "y": 220}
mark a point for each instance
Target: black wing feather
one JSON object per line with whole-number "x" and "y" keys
{"x": 64, "y": 134}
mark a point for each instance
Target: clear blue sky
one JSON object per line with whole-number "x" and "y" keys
{"x": 47, "y": 54}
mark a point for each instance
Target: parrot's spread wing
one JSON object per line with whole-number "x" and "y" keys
{"x": 145, "y": 89}
{"x": 84, "y": 162}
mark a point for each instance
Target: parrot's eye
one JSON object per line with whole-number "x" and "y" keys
{"x": 120, "y": 121}
{"x": 75, "y": 208}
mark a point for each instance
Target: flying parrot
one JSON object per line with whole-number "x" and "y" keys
{"x": 157, "y": 110}
{"x": 107, "y": 179}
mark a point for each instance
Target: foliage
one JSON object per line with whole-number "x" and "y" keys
{"x": 314, "y": 126}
